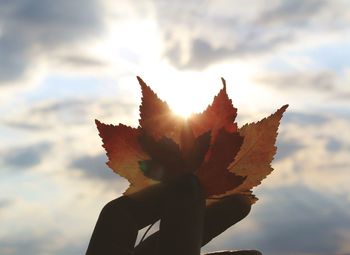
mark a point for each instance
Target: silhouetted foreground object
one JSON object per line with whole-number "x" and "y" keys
{"x": 226, "y": 159}
{"x": 186, "y": 223}
{"x": 196, "y": 175}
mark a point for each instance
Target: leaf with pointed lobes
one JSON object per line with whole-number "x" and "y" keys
{"x": 213, "y": 174}
{"x": 124, "y": 153}
{"x": 220, "y": 114}
{"x": 257, "y": 151}
{"x": 156, "y": 118}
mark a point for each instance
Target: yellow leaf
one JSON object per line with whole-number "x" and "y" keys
{"x": 257, "y": 152}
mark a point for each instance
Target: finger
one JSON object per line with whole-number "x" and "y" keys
{"x": 224, "y": 213}
{"x": 146, "y": 206}
{"x": 181, "y": 225}
{"x": 115, "y": 231}
{"x": 219, "y": 216}
{"x": 182, "y": 219}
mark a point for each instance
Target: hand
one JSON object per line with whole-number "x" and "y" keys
{"x": 186, "y": 223}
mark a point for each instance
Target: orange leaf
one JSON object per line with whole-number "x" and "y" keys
{"x": 257, "y": 151}
{"x": 124, "y": 153}
{"x": 220, "y": 114}
{"x": 157, "y": 119}
{"x": 207, "y": 144}
{"x": 213, "y": 174}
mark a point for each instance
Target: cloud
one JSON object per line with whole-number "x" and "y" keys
{"x": 82, "y": 61}
{"x": 293, "y": 13}
{"x": 287, "y": 148}
{"x": 16, "y": 247}
{"x": 94, "y": 167}
{"x": 334, "y": 145}
{"x": 201, "y": 50}
{"x": 5, "y": 203}
{"x": 36, "y": 29}
{"x": 304, "y": 222}
{"x": 40, "y": 245}
{"x": 299, "y": 81}
{"x": 199, "y": 35}
{"x": 340, "y": 96}
{"x": 329, "y": 85}
{"x": 305, "y": 119}
{"x": 60, "y": 113}
{"x": 26, "y": 157}
{"x": 314, "y": 153}
{"x": 202, "y": 53}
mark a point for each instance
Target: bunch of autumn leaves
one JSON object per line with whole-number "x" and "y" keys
{"x": 226, "y": 159}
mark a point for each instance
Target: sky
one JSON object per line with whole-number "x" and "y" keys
{"x": 65, "y": 63}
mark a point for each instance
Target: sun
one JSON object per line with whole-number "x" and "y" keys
{"x": 185, "y": 98}
{"x": 187, "y": 92}
{"x": 187, "y": 101}
{"x": 183, "y": 109}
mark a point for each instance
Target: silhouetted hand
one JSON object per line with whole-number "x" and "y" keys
{"x": 186, "y": 223}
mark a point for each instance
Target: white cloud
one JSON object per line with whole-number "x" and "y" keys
{"x": 319, "y": 163}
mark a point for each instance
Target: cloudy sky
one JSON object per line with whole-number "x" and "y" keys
{"x": 65, "y": 63}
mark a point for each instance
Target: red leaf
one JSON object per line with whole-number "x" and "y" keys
{"x": 208, "y": 144}
{"x": 213, "y": 174}
{"x": 124, "y": 153}
{"x": 257, "y": 151}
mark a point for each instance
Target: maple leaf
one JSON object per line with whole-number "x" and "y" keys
{"x": 226, "y": 160}
{"x": 256, "y": 153}
{"x": 213, "y": 173}
{"x": 124, "y": 153}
